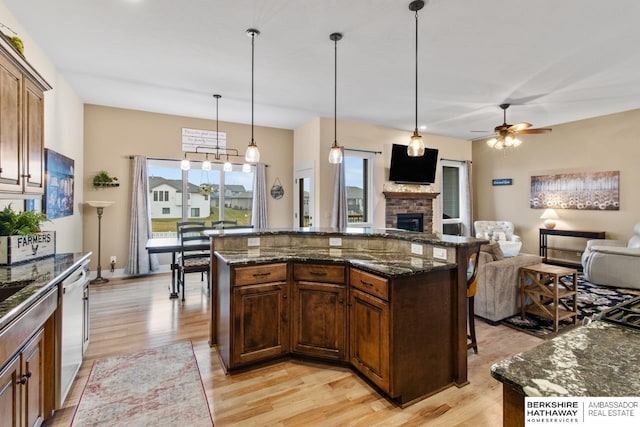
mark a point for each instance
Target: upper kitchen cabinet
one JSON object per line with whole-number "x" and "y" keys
{"x": 21, "y": 124}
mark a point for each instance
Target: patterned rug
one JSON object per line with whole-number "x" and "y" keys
{"x": 155, "y": 387}
{"x": 592, "y": 300}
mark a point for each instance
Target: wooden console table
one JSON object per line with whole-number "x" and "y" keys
{"x": 551, "y": 295}
{"x": 544, "y": 232}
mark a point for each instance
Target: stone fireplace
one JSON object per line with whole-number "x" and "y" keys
{"x": 402, "y": 202}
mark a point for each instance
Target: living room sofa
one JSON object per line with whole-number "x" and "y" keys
{"x": 498, "y": 293}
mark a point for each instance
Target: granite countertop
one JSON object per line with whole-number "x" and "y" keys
{"x": 393, "y": 233}
{"x": 598, "y": 360}
{"x": 43, "y": 273}
{"x": 379, "y": 262}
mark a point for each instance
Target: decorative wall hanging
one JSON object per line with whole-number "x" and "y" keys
{"x": 596, "y": 191}
{"x": 58, "y": 193}
{"x": 277, "y": 191}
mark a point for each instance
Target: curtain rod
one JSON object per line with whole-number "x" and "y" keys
{"x": 177, "y": 160}
{"x": 455, "y": 160}
{"x": 363, "y": 151}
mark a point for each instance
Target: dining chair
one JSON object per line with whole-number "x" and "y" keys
{"x": 195, "y": 254}
{"x": 224, "y": 224}
{"x": 472, "y": 285}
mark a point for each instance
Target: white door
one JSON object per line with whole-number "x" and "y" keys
{"x": 303, "y": 197}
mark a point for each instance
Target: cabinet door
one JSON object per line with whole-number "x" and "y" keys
{"x": 369, "y": 337}
{"x": 10, "y": 393}
{"x": 319, "y": 319}
{"x": 260, "y": 322}
{"x": 33, "y": 139}
{"x": 10, "y": 118}
{"x": 33, "y": 388}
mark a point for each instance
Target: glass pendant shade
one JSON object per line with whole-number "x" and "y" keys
{"x": 416, "y": 145}
{"x": 185, "y": 165}
{"x": 252, "y": 154}
{"x": 206, "y": 165}
{"x": 335, "y": 155}
{"x": 227, "y": 167}
{"x": 246, "y": 168}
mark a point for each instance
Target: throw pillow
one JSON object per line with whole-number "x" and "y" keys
{"x": 494, "y": 250}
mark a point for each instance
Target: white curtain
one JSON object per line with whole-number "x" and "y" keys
{"x": 339, "y": 211}
{"x": 140, "y": 261}
{"x": 466, "y": 199}
{"x": 259, "y": 211}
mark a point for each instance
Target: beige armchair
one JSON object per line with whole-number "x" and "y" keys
{"x": 501, "y": 232}
{"x": 498, "y": 293}
{"x": 613, "y": 262}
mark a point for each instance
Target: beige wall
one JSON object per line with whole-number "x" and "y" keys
{"x": 363, "y": 136}
{"x": 113, "y": 134}
{"x": 63, "y": 127}
{"x": 599, "y": 144}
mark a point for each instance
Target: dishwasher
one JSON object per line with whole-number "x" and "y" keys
{"x": 74, "y": 335}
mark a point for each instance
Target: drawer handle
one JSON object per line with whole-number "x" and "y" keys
{"x": 318, "y": 273}
{"x": 268, "y": 273}
{"x": 366, "y": 283}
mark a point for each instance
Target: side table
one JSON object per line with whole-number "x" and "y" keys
{"x": 551, "y": 294}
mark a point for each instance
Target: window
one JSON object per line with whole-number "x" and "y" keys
{"x": 451, "y": 193}
{"x": 358, "y": 168}
{"x": 196, "y": 194}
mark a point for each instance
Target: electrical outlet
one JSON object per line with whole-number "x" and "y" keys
{"x": 335, "y": 241}
{"x": 440, "y": 253}
{"x": 416, "y": 249}
{"x": 113, "y": 259}
{"x": 253, "y": 241}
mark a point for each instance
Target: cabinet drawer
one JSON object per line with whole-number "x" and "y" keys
{"x": 369, "y": 283}
{"x": 319, "y": 273}
{"x": 260, "y": 274}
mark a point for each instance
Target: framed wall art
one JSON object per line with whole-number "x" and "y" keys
{"x": 594, "y": 190}
{"x": 59, "y": 184}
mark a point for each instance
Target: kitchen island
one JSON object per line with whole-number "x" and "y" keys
{"x": 597, "y": 360}
{"x": 30, "y": 336}
{"x": 390, "y": 304}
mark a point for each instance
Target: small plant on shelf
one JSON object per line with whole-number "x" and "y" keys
{"x": 24, "y": 223}
{"x": 102, "y": 179}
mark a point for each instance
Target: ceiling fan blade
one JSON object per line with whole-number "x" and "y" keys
{"x": 481, "y": 131}
{"x": 519, "y": 127}
{"x": 537, "y": 130}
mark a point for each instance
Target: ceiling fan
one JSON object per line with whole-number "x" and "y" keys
{"x": 506, "y": 133}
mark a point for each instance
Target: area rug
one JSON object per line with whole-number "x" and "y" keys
{"x": 592, "y": 301}
{"x": 155, "y": 387}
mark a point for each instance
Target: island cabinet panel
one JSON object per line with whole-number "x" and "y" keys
{"x": 10, "y": 393}
{"x": 369, "y": 337}
{"x": 319, "y": 311}
{"x": 254, "y": 314}
{"x": 403, "y": 344}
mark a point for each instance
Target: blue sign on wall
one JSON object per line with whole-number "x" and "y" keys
{"x": 502, "y": 181}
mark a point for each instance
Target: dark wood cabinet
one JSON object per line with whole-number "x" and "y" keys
{"x": 21, "y": 386}
{"x": 254, "y": 316}
{"x": 22, "y": 131}
{"x": 369, "y": 337}
{"x": 319, "y": 311}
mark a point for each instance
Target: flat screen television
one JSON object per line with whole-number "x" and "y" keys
{"x": 412, "y": 170}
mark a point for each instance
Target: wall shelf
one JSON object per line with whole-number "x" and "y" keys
{"x": 107, "y": 184}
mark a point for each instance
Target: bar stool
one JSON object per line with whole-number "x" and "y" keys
{"x": 472, "y": 285}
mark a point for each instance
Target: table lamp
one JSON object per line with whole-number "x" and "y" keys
{"x": 549, "y": 216}
{"x": 99, "y": 205}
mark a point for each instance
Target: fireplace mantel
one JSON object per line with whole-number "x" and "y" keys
{"x": 409, "y": 195}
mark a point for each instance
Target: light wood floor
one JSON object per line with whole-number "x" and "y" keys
{"x": 131, "y": 315}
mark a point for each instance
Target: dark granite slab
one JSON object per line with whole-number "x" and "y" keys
{"x": 600, "y": 359}
{"x": 385, "y": 263}
{"x": 41, "y": 275}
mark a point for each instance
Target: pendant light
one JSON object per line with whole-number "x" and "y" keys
{"x": 252, "y": 154}
{"x": 185, "y": 165}
{"x": 335, "y": 154}
{"x": 416, "y": 145}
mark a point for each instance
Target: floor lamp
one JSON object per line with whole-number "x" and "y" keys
{"x": 99, "y": 205}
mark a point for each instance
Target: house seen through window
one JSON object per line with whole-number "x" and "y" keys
{"x": 359, "y": 182}
{"x": 197, "y": 195}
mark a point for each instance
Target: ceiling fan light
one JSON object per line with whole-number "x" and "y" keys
{"x": 335, "y": 155}
{"x": 492, "y": 142}
{"x": 416, "y": 145}
{"x": 516, "y": 142}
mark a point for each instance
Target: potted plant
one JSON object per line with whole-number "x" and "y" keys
{"x": 21, "y": 238}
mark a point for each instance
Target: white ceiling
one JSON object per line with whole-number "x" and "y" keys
{"x": 555, "y": 61}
